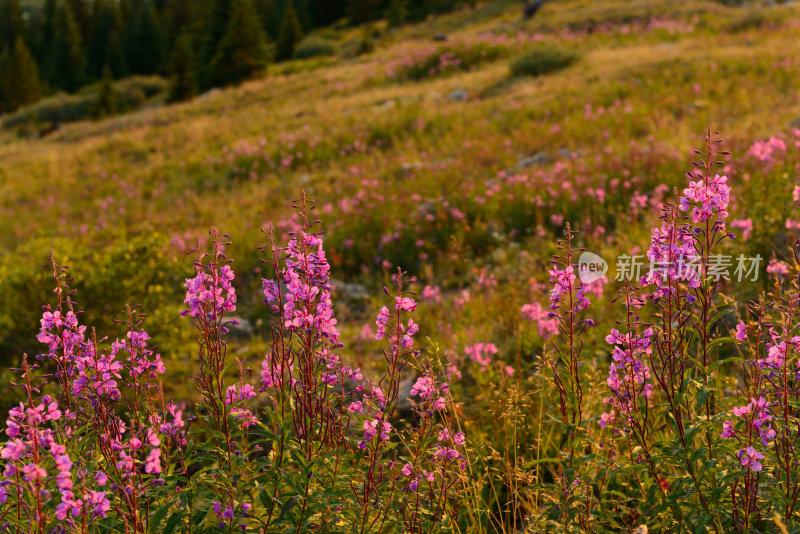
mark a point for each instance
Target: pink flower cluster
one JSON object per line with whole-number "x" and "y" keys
{"x": 375, "y": 427}
{"x": 546, "y": 321}
{"x": 406, "y": 332}
{"x": 432, "y": 294}
{"x": 430, "y": 391}
{"x": 672, "y": 253}
{"x": 565, "y": 281}
{"x": 481, "y": 353}
{"x": 237, "y": 396}
{"x": 757, "y": 421}
{"x": 210, "y": 294}
{"x": 25, "y": 461}
{"x": 64, "y": 338}
{"x": 628, "y": 375}
{"x": 767, "y": 151}
{"x": 777, "y": 269}
{"x": 745, "y": 225}
{"x": 708, "y": 200}
{"x": 308, "y": 297}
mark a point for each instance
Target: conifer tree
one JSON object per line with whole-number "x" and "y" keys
{"x": 19, "y": 84}
{"x": 290, "y": 33}
{"x": 396, "y": 13}
{"x": 10, "y": 23}
{"x": 106, "y": 21}
{"x": 127, "y": 12}
{"x": 303, "y": 12}
{"x": 362, "y": 10}
{"x": 268, "y": 13}
{"x": 106, "y": 104}
{"x": 115, "y": 55}
{"x": 145, "y": 46}
{"x": 45, "y": 25}
{"x": 65, "y": 65}
{"x": 178, "y": 16}
{"x": 215, "y": 14}
{"x": 241, "y": 52}
{"x": 325, "y": 13}
{"x": 183, "y": 84}
{"x": 82, "y": 16}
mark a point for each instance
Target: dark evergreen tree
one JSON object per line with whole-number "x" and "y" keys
{"x": 115, "y": 55}
{"x": 325, "y": 12}
{"x": 65, "y": 65}
{"x": 177, "y": 17}
{"x": 215, "y": 15}
{"x": 268, "y": 13}
{"x": 19, "y": 84}
{"x": 106, "y": 99}
{"x": 81, "y": 14}
{"x": 396, "y": 13}
{"x": 290, "y": 33}
{"x": 241, "y": 52}
{"x": 145, "y": 43}
{"x": 127, "y": 12}
{"x": 362, "y": 10}
{"x": 303, "y": 12}
{"x": 106, "y": 21}
{"x": 46, "y": 30}
{"x": 183, "y": 84}
{"x": 10, "y": 23}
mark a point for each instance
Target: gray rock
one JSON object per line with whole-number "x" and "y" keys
{"x": 540, "y": 158}
{"x": 426, "y": 207}
{"x": 411, "y": 165}
{"x": 244, "y": 330}
{"x": 350, "y": 291}
{"x": 210, "y": 93}
{"x": 567, "y": 153}
{"x": 459, "y": 95}
{"x": 404, "y": 396}
{"x": 385, "y": 104}
{"x": 440, "y": 37}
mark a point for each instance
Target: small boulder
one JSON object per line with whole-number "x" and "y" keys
{"x": 350, "y": 291}
{"x": 540, "y": 158}
{"x": 404, "y": 397}
{"x": 459, "y": 95}
{"x": 240, "y": 328}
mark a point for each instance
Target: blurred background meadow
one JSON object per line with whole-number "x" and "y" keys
{"x": 452, "y": 139}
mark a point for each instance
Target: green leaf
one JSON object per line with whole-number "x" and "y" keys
{"x": 287, "y": 507}
{"x": 703, "y": 396}
{"x": 155, "y": 520}
{"x": 173, "y": 521}
{"x": 542, "y": 461}
{"x": 198, "y": 517}
{"x": 719, "y": 341}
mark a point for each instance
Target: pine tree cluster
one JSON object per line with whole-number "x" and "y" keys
{"x": 63, "y": 45}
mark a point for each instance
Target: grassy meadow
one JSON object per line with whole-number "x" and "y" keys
{"x": 437, "y": 157}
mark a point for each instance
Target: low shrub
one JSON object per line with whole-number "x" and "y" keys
{"x": 543, "y": 60}
{"x": 314, "y": 47}
{"x": 129, "y": 94}
{"x": 444, "y": 61}
{"x": 755, "y": 18}
{"x": 104, "y": 279}
{"x": 357, "y": 47}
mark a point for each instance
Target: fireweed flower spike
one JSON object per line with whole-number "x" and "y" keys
{"x": 36, "y": 474}
{"x": 568, "y": 299}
